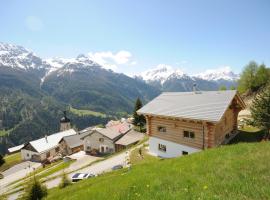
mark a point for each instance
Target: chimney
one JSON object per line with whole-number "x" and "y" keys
{"x": 46, "y": 138}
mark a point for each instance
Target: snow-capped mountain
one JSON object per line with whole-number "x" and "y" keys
{"x": 163, "y": 77}
{"x": 224, "y": 73}
{"x": 170, "y": 79}
{"x": 161, "y": 73}
{"x": 18, "y": 57}
{"x": 68, "y": 65}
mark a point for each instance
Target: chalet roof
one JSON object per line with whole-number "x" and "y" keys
{"x": 205, "y": 105}
{"x": 43, "y": 144}
{"x": 131, "y": 137}
{"x": 107, "y": 132}
{"x": 74, "y": 140}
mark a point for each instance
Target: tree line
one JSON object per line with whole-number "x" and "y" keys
{"x": 253, "y": 77}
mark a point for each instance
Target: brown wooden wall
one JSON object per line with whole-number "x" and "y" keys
{"x": 175, "y": 130}
{"x": 225, "y": 126}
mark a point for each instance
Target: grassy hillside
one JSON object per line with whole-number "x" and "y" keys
{"x": 232, "y": 172}
{"x": 11, "y": 160}
{"x": 86, "y": 112}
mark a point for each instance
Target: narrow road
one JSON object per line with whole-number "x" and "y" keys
{"x": 16, "y": 173}
{"x": 97, "y": 168}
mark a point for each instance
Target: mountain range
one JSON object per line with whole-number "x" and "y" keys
{"x": 35, "y": 91}
{"x": 169, "y": 79}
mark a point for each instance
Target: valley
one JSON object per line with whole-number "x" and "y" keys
{"x": 35, "y": 92}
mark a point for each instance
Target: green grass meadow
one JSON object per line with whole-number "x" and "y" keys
{"x": 230, "y": 172}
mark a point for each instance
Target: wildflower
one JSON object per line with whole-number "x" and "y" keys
{"x": 147, "y": 185}
{"x": 205, "y": 187}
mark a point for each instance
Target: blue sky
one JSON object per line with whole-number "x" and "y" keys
{"x": 133, "y": 36}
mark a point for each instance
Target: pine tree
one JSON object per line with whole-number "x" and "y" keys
{"x": 36, "y": 191}
{"x": 139, "y": 120}
{"x": 2, "y": 160}
{"x": 260, "y": 110}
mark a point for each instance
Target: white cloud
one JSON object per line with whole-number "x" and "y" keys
{"x": 34, "y": 23}
{"x": 112, "y": 60}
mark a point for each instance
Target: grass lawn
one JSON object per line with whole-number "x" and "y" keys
{"x": 87, "y": 112}
{"x": 135, "y": 157}
{"x": 230, "y": 172}
{"x": 11, "y": 160}
{"x": 52, "y": 170}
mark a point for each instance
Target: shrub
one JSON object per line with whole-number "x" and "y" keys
{"x": 65, "y": 181}
{"x": 34, "y": 191}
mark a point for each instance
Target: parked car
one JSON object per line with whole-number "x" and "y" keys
{"x": 80, "y": 176}
{"x": 116, "y": 167}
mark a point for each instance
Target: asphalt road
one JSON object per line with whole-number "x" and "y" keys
{"x": 97, "y": 168}
{"x": 16, "y": 173}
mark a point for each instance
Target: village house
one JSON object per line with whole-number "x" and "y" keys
{"x": 45, "y": 148}
{"x": 180, "y": 123}
{"x": 71, "y": 144}
{"x": 101, "y": 140}
{"x": 132, "y": 137}
{"x": 115, "y": 137}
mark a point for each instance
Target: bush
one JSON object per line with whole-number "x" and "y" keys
{"x": 65, "y": 181}
{"x": 2, "y": 160}
{"x": 34, "y": 191}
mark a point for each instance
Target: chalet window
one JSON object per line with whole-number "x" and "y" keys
{"x": 27, "y": 155}
{"x": 184, "y": 153}
{"x": 161, "y": 129}
{"x": 101, "y": 139}
{"x": 189, "y": 134}
{"x": 162, "y": 147}
{"x": 88, "y": 148}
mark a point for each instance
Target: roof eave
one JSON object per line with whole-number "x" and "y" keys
{"x": 179, "y": 118}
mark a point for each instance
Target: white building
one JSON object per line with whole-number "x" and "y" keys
{"x": 44, "y": 148}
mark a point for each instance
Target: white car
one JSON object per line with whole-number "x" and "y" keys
{"x": 80, "y": 176}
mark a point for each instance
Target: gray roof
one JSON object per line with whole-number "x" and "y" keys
{"x": 130, "y": 138}
{"x": 205, "y": 105}
{"x": 109, "y": 132}
{"x": 74, "y": 140}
